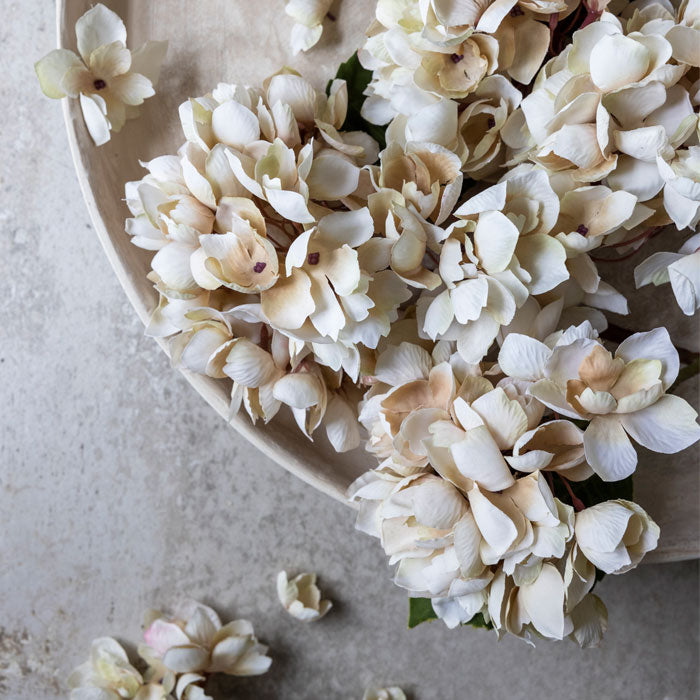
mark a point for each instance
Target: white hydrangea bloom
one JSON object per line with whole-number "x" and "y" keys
{"x": 110, "y": 81}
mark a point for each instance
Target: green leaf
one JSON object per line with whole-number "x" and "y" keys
{"x": 479, "y": 622}
{"x": 357, "y": 79}
{"x": 420, "y": 610}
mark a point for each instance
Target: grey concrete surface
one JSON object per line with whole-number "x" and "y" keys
{"x": 121, "y": 490}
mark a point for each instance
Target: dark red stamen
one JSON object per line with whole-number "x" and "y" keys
{"x": 259, "y": 266}
{"x": 583, "y": 230}
{"x": 313, "y": 258}
{"x": 491, "y": 122}
{"x": 100, "y": 84}
{"x": 457, "y": 57}
{"x": 516, "y": 11}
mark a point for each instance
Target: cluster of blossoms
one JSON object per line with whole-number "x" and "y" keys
{"x": 179, "y": 655}
{"x": 451, "y": 273}
{"x": 110, "y": 81}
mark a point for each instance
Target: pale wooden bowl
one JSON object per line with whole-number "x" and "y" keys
{"x": 242, "y": 41}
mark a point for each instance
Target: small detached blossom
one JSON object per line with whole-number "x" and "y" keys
{"x": 201, "y": 644}
{"x": 301, "y": 597}
{"x": 110, "y": 81}
{"x": 391, "y": 693}
{"x": 308, "y": 16}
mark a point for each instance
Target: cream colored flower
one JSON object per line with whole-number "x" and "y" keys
{"x": 615, "y": 535}
{"x": 481, "y": 123}
{"x": 201, "y": 644}
{"x": 108, "y": 675}
{"x": 681, "y": 269}
{"x": 308, "y": 16}
{"x": 620, "y": 395}
{"x": 420, "y": 52}
{"x": 109, "y": 80}
{"x": 584, "y": 114}
{"x": 301, "y": 597}
{"x": 497, "y": 253}
{"x": 324, "y": 283}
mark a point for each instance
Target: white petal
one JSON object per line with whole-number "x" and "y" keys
{"x": 332, "y": 177}
{"x": 544, "y": 602}
{"x": 608, "y": 449}
{"x": 235, "y": 125}
{"x": 95, "y": 118}
{"x": 667, "y": 426}
{"x": 523, "y": 357}
{"x": 99, "y": 26}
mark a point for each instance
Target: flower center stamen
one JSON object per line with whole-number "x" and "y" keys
{"x": 516, "y": 11}
{"x": 491, "y": 122}
{"x": 313, "y": 258}
{"x": 100, "y": 84}
{"x": 457, "y": 57}
{"x": 259, "y": 266}
{"x": 582, "y": 229}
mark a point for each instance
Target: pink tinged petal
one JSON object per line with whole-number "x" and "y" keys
{"x": 52, "y": 69}
{"x": 608, "y": 449}
{"x": 543, "y": 601}
{"x": 97, "y": 27}
{"x": 652, "y": 345}
{"x": 667, "y": 426}
{"x": 523, "y": 357}
{"x": 477, "y": 456}
{"x": 148, "y": 59}
{"x": 94, "y": 113}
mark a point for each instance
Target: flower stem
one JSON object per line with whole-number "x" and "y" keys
{"x": 576, "y": 502}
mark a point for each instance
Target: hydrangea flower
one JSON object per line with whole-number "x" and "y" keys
{"x": 110, "y": 80}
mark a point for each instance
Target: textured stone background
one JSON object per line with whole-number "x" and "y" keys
{"x": 121, "y": 490}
